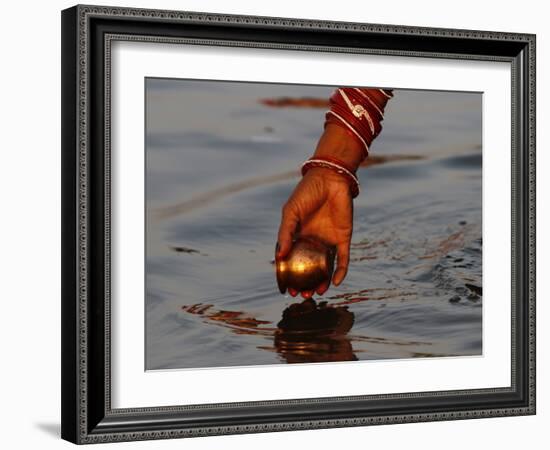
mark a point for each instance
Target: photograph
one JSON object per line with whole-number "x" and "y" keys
{"x": 293, "y": 223}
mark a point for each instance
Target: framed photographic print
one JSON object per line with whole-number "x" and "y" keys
{"x": 277, "y": 224}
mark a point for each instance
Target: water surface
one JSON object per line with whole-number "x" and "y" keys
{"x": 220, "y": 165}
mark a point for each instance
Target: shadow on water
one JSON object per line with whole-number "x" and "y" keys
{"x": 307, "y": 332}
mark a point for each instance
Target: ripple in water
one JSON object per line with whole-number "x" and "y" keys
{"x": 414, "y": 288}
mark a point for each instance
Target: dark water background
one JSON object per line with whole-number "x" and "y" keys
{"x": 220, "y": 165}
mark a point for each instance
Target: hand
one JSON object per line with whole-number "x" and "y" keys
{"x": 321, "y": 205}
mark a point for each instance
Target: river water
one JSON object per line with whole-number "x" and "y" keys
{"x": 221, "y": 162}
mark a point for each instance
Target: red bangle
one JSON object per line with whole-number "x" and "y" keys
{"x": 359, "y": 111}
{"x": 337, "y": 166}
{"x": 364, "y": 123}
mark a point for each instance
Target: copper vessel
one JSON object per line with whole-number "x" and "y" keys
{"x": 309, "y": 263}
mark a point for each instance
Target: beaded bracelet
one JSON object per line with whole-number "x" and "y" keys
{"x": 337, "y": 166}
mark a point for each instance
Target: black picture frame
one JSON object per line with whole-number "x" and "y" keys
{"x": 87, "y": 416}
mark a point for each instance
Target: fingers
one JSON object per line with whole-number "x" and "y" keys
{"x": 308, "y": 294}
{"x": 342, "y": 264}
{"x": 289, "y": 222}
{"x": 322, "y": 288}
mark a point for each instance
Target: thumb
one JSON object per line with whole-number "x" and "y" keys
{"x": 343, "y": 263}
{"x": 289, "y": 222}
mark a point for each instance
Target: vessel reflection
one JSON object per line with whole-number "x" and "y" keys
{"x": 307, "y": 332}
{"x": 311, "y": 332}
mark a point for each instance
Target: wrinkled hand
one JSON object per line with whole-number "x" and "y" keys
{"x": 321, "y": 205}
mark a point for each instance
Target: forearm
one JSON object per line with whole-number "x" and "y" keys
{"x": 336, "y": 143}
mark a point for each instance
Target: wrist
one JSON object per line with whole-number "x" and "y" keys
{"x": 333, "y": 171}
{"x": 327, "y": 174}
{"x": 330, "y": 181}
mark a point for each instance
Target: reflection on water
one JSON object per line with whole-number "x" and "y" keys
{"x": 216, "y": 181}
{"x": 307, "y": 332}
